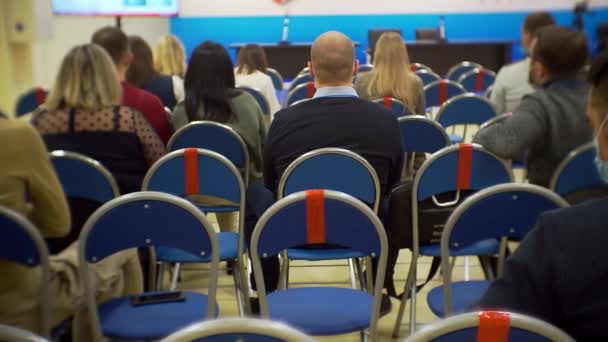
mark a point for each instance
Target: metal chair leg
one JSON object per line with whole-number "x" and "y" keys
{"x": 360, "y": 273}
{"x": 363, "y": 334}
{"x": 160, "y": 272}
{"x": 467, "y": 269}
{"x": 175, "y": 276}
{"x": 353, "y": 276}
{"x": 284, "y": 274}
{"x": 413, "y": 308}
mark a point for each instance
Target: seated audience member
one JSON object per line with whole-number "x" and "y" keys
{"x": 141, "y": 73}
{"x": 392, "y": 76}
{"x": 116, "y": 44}
{"x": 334, "y": 117}
{"x": 512, "y": 81}
{"x": 211, "y": 95}
{"x": 26, "y": 169}
{"x": 559, "y": 272}
{"x": 169, "y": 56}
{"x": 81, "y": 114}
{"x": 251, "y": 72}
{"x": 550, "y": 122}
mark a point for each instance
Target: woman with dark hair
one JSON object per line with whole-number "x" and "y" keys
{"x": 211, "y": 95}
{"x": 251, "y": 72}
{"x": 141, "y": 73}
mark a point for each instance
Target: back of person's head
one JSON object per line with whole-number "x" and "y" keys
{"x": 169, "y": 56}
{"x": 209, "y": 82}
{"x": 390, "y": 76}
{"x": 87, "y": 80}
{"x": 332, "y": 59}
{"x": 561, "y": 51}
{"x": 142, "y": 67}
{"x": 534, "y": 22}
{"x": 114, "y": 41}
{"x": 251, "y": 58}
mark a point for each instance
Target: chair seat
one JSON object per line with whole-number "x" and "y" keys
{"x": 218, "y": 209}
{"x": 322, "y": 310}
{"x": 455, "y": 138}
{"x": 464, "y": 295}
{"x": 322, "y": 254}
{"x": 485, "y": 247}
{"x": 120, "y": 320}
{"x": 228, "y": 243}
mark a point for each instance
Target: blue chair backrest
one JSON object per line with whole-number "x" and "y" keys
{"x": 208, "y": 172}
{"x": 259, "y": 98}
{"x": 30, "y": 100}
{"x": 332, "y": 169}
{"x": 211, "y": 136}
{"x": 427, "y": 77}
{"x": 146, "y": 219}
{"x": 347, "y": 222}
{"x": 465, "y": 109}
{"x": 477, "y": 80}
{"x": 365, "y": 67}
{"x": 438, "y": 92}
{"x": 577, "y": 171}
{"x": 395, "y": 106}
{"x": 303, "y": 91}
{"x": 83, "y": 177}
{"x": 460, "y": 69}
{"x": 21, "y": 242}
{"x": 277, "y": 79}
{"x": 505, "y": 210}
{"x": 470, "y": 334}
{"x": 422, "y": 135}
{"x": 440, "y": 173}
{"x": 300, "y": 79}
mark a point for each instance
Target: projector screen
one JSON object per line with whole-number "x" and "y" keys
{"x": 116, "y": 7}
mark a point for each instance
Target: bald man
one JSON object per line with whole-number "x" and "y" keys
{"x": 334, "y": 117}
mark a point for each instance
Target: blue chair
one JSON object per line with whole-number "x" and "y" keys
{"x": 576, "y": 172}
{"x": 321, "y": 216}
{"x": 303, "y": 91}
{"x": 23, "y": 244}
{"x": 460, "y": 69}
{"x": 30, "y": 100}
{"x": 305, "y": 70}
{"x": 419, "y": 66}
{"x": 421, "y": 135}
{"x": 216, "y": 137}
{"x": 298, "y": 102}
{"x": 259, "y": 98}
{"x": 147, "y": 219}
{"x": 477, "y": 80}
{"x": 84, "y": 177}
{"x": 193, "y": 174}
{"x": 394, "y": 105}
{"x": 239, "y": 329}
{"x": 466, "y": 109}
{"x": 467, "y": 327}
{"x": 332, "y": 169}
{"x": 427, "y": 76}
{"x": 488, "y": 214}
{"x": 302, "y": 78}
{"x": 365, "y": 68}
{"x": 277, "y": 79}
{"x": 438, "y": 92}
{"x": 13, "y": 334}
{"x": 452, "y": 169}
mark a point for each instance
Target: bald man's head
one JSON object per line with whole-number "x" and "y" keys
{"x": 333, "y": 59}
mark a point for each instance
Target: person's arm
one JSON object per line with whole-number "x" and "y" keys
{"x": 498, "y": 96}
{"x": 513, "y": 137}
{"x": 528, "y": 279}
{"x": 50, "y": 212}
{"x": 398, "y": 157}
{"x": 271, "y": 96}
{"x": 268, "y": 170}
{"x": 178, "y": 89}
{"x": 420, "y": 98}
{"x": 162, "y": 126}
{"x": 153, "y": 146}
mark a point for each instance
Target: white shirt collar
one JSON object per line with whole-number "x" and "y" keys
{"x": 342, "y": 91}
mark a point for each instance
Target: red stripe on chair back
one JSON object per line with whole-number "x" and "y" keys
{"x": 310, "y": 90}
{"x": 191, "y": 170}
{"x": 465, "y": 161}
{"x": 40, "y": 95}
{"x": 413, "y": 67}
{"x": 479, "y": 80}
{"x": 443, "y": 91}
{"x": 315, "y": 216}
{"x": 493, "y": 326}
{"x": 387, "y": 102}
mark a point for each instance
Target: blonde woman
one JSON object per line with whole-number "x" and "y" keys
{"x": 392, "y": 76}
{"x": 82, "y": 114}
{"x": 169, "y": 56}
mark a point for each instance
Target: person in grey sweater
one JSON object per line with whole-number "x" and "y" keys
{"x": 550, "y": 122}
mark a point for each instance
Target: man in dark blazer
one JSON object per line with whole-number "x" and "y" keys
{"x": 559, "y": 273}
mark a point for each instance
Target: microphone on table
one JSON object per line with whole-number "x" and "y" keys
{"x": 285, "y": 35}
{"x": 442, "y": 29}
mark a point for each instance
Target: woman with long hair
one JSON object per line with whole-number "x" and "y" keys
{"x": 251, "y": 72}
{"x": 392, "y": 75}
{"x": 170, "y": 56}
{"x": 141, "y": 73}
{"x": 211, "y": 95}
